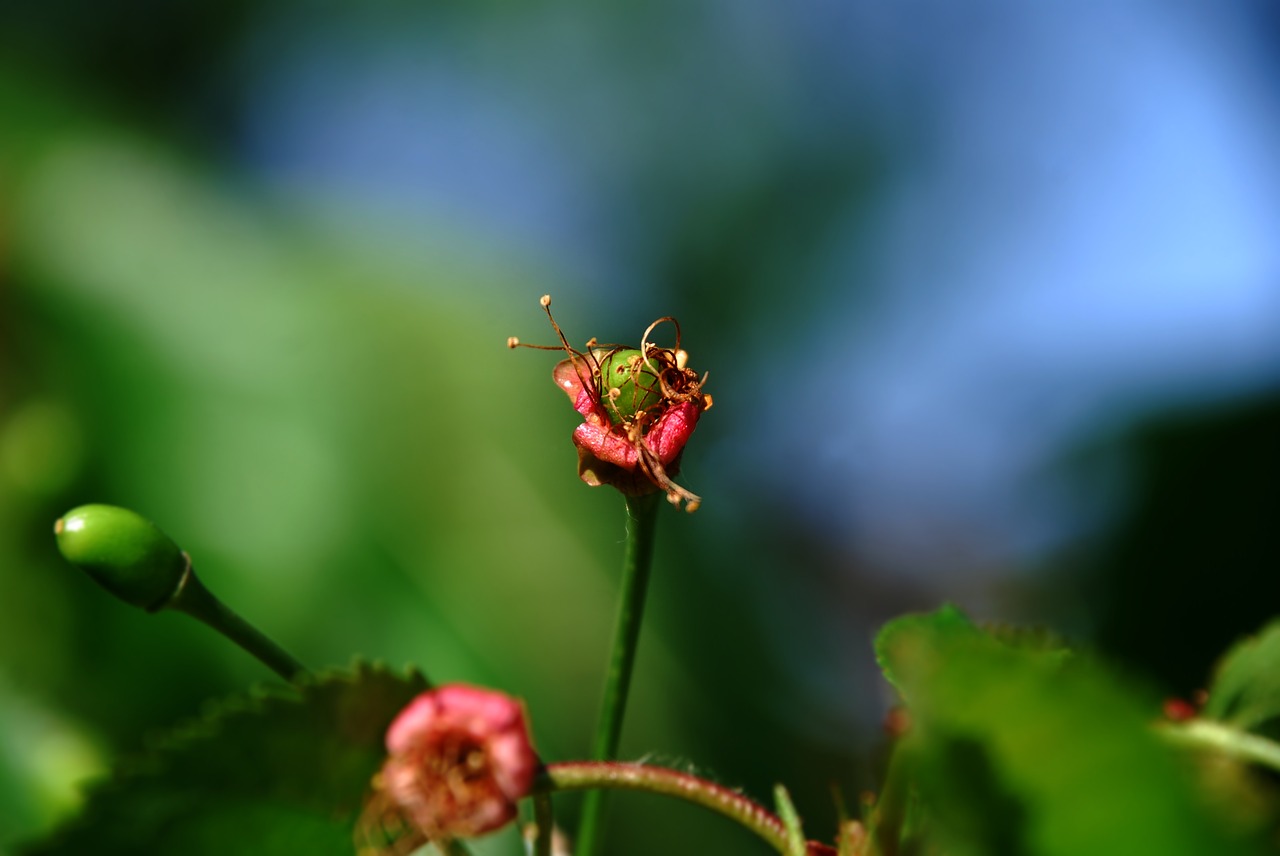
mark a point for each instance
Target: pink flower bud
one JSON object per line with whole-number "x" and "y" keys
{"x": 459, "y": 760}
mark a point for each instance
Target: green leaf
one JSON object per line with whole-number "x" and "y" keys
{"x": 1245, "y": 692}
{"x": 1020, "y": 749}
{"x": 908, "y": 630}
{"x": 282, "y": 770}
{"x": 982, "y": 815}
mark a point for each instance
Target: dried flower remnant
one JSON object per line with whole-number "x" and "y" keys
{"x": 640, "y": 405}
{"x": 459, "y": 759}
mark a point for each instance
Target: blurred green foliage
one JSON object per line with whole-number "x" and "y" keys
{"x": 1246, "y": 685}
{"x": 321, "y": 441}
{"x": 335, "y": 433}
{"x": 324, "y": 416}
{"x": 1019, "y": 749}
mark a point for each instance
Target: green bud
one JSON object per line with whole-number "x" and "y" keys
{"x": 637, "y": 385}
{"x": 127, "y": 554}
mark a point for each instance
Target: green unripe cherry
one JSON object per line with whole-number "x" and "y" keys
{"x": 637, "y": 384}
{"x": 126, "y": 553}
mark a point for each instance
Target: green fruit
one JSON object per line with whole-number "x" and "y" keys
{"x": 126, "y": 553}
{"x": 637, "y": 385}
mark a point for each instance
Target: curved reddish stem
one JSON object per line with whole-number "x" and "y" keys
{"x": 584, "y": 775}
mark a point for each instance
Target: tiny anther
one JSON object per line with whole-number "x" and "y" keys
{"x": 513, "y": 342}
{"x": 682, "y": 359}
{"x": 545, "y": 300}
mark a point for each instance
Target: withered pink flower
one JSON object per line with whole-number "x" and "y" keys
{"x": 640, "y": 406}
{"x": 459, "y": 759}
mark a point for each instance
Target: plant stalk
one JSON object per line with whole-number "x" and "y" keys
{"x": 599, "y": 775}
{"x": 642, "y": 514}
{"x": 197, "y": 601}
{"x": 889, "y": 814}
{"x": 1207, "y": 734}
{"x": 544, "y": 820}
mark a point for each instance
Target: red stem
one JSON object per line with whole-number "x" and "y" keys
{"x": 583, "y": 775}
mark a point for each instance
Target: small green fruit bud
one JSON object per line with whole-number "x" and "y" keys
{"x": 637, "y": 386}
{"x": 126, "y": 553}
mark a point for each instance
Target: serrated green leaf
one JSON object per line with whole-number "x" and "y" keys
{"x": 899, "y": 638}
{"x": 1023, "y": 751}
{"x": 282, "y": 770}
{"x": 1245, "y": 692}
{"x": 1036, "y": 638}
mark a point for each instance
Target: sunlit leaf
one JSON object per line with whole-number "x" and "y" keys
{"x": 1246, "y": 686}
{"x": 1019, "y": 750}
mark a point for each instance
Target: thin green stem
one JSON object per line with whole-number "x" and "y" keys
{"x": 1205, "y": 734}
{"x": 790, "y": 821}
{"x": 890, "y": 811}
{"x": 578, "y": 775}
{"x": 544, "y": 820}
{"x": 642, "y": 513}
{"x": 197, "y": 601}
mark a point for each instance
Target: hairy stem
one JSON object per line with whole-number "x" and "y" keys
{"x": 642, "y": 513}
{"x": 599, "y": 775}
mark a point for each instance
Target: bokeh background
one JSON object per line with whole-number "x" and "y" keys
{"x": 988, "y": 294}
